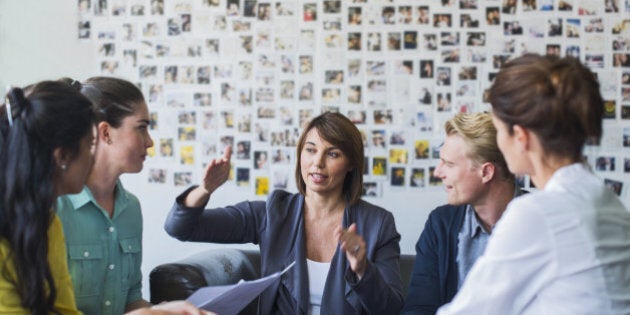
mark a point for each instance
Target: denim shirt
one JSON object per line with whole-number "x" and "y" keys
{"x": 472, "y": 243}
{"x": 104, "y": 254}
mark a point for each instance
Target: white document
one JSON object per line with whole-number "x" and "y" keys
{"x": 231, "y": 299}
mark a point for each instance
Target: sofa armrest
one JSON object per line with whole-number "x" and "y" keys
{"x": 179, "y": 279}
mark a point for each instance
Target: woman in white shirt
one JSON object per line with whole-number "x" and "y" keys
{"x": 564, "y": 249}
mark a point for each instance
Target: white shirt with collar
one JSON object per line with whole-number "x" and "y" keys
{"x": 562, "y": 250}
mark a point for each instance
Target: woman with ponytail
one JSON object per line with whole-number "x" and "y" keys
{"x": 46, "y": 140}
{"x": 103, "y": 221}
{"x": 565, "y": 248}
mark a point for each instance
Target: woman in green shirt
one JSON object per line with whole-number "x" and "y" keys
{"x": 103, "y": 222}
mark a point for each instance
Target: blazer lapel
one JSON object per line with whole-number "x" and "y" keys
{"x": 296, "y": 279}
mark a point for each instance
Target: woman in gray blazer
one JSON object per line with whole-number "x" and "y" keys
{"x": 346, "y": 250}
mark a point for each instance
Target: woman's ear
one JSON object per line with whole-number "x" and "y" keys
{"x": 62, "y": 158}
{"x": 103, "y": 130}
{"x": 522, "y": 137}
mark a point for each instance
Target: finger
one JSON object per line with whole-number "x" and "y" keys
{"x": 352, "y": 228}
{"x": 349, "y": 234}
{"x": 209, "y": 166}
{"x": 228, "y": 153}
{"x": 343, "y": 246}
{"x": 338, "y": 233}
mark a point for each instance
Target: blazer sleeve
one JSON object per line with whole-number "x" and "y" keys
{"x": 239, "y": 223}
{"x": 380, "y": 289}
{"x": 423, "y": 296}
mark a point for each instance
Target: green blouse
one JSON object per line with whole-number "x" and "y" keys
{"x": 104, "y": 254}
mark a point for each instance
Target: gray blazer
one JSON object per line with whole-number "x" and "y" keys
{"x": 278, "y": 227}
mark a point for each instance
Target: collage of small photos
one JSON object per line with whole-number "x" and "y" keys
{"x": 252, "y": 73}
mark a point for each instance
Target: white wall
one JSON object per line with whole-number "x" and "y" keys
{"x": 38, "y": 40}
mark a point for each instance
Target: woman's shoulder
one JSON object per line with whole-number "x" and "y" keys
{"x": 373, "y": 210}
{"x": 131, "y": 198}
{"x": 280, "y": 195}
{"x": 283, "y": 200}
{"x": 533, "y": 202}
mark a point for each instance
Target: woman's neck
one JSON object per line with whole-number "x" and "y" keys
{"x": 101, "y": 181}
{"x": 102, "y": 184}
{"x": 318, "y": 206}
{"x": 544, "y": 169}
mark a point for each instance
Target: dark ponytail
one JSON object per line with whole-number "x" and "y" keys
{"x": 52, "y": 116}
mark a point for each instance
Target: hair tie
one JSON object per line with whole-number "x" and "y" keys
{"x": 76, "y": 84}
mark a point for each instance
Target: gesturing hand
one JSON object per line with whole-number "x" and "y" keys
{"x": 354, "y": 246}
{"x": 217, "y": 171}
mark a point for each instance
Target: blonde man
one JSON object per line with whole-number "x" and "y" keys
{"x": 479, "y": 187}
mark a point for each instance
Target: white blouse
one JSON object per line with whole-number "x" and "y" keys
{"x": 317, "y": 274}
{"x": 562, "y": 250}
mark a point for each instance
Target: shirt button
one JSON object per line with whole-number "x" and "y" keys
{"x": 86, "y": 254}
{"x": 111, "y": 267}
{"x": 111, "y": 229}
{"x": 108, "y": 303}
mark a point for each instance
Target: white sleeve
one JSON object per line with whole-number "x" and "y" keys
{"x": 517, "y": 263}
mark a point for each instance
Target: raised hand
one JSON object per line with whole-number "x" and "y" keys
{"x": 216, "y": 174}
{"x": 217, "y": 171}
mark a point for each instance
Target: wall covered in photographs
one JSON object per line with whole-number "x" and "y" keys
{"x": 250, "y": 74}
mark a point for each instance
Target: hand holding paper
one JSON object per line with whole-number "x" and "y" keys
{"x": 231, "y": 299}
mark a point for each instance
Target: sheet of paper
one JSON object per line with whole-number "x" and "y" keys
{"x": 231, "y": 299}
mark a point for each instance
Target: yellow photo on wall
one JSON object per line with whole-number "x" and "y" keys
{"x": 262, "y": 185}
{"x": 422, "y": 149}
{"x": 398, "y": 156}
{"x": 379, "y": 166}
{"x": 187, "y": 154}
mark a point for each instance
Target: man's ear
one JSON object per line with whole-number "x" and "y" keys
{"x": 488, "y": 171}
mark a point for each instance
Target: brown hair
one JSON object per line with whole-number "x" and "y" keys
{"x": 556, "y": 98}
{"x": 481, "y": 139}
{"x": 114, "y": 98}
{"x": 342, "y": 133}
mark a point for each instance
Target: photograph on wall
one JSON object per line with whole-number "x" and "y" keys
{"x": 252, "y": 74}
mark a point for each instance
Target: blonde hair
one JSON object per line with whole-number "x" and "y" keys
{"x": 481, "y": 138}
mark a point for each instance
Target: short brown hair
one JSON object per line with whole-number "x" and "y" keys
{"x": 342, "y": 133}
{"x": 556, "y": 98}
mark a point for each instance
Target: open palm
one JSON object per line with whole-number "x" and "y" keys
{"x": 217, "y": 171}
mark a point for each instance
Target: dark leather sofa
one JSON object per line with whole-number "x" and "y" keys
{"x": 179, "y": 279}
